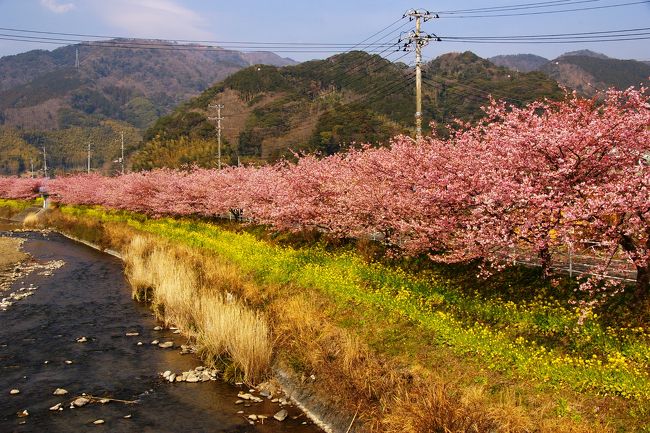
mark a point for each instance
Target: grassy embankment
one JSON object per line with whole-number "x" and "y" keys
{"x": 423, "y": 351}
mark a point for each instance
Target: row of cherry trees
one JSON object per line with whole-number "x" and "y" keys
{"x": 523, "y": 179}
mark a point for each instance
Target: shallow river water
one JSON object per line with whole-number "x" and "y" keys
{"x": 89, "y": 297}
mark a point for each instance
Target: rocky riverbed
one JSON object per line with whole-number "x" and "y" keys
{"x": 77, "y": 353}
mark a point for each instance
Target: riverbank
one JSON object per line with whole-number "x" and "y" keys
{"x": 392, "y": 352}
{"x": 78, "y": 353}
{"x": 10, "y": 253}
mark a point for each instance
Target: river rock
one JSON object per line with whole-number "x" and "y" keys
{"x": 239, "y": 401}
{"x": 22, "y": 414}
{"x": 157, "y": 328}
{"x": 132, "y": 334}
{"x": 172, "y": 377}
{"x": 80, "y": 402}
{"x": 155, "y": 342}
{"x": 99, "y": 422}
{"x": 187, "y": 349}
{"x": 252, "y": 417}
{"x": 68, "y": 362}
{"x": 14, "y": 392}
{"x": 166, "y": 374}
{"x": 127, "y": 416}
{"x": 281, "y": 415}
{"x": 58, "y": 406}
{"x": 82, "y": 340}
{"x": 60, "y": 391}
{"x": 244, "y": 396}
{"x": 166, "y": 345}
{"x": 104, "y": 401}
{"x": 192, "y": 378}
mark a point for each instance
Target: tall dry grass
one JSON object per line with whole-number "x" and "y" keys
{"x": 31, "y": 220}
{"x": 229, "y": 327}
{"x": 192, "y": 294}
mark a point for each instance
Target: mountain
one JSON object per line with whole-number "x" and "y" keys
{"x": 520, "y": 62}
{"x": 584, "y": 70}
{"x": 120, "y": 85}
{"x": 42, "y": 89}
{"x": 585, "y": 53}
{"x": 328, "y": 105}
{"x": 588, "y": 74}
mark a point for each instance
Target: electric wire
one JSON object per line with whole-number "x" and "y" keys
{"x": 518, "y": 6}
{"x": 519, "y": 14}
{"x": 551, "y": 35}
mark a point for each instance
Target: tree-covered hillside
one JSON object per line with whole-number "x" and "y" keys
{"x": 327, "y": 105}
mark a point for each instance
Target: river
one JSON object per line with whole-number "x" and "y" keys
{"x": 89, "y": 297}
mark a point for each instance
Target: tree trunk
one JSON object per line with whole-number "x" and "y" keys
{"x": 642, "y": 289}
{"x": 545, "y": 258}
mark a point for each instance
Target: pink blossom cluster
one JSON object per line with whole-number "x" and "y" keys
{"x": 536, "y": 177}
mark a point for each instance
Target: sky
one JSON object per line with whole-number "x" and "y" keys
{"x": 331, "y": 21}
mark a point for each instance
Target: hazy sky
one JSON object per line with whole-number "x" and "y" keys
{"x": 332, "y": 21}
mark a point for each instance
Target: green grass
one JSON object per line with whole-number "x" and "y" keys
{"x": 538, "y": 339}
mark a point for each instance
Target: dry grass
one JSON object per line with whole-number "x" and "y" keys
{"x": 229, "y": 327}
{"x": 31, "y": 220}
{"x": 178, "y": 285}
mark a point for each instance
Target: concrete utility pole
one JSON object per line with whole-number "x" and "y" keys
{"x": 44, "y": 163}
{"x": 122, "y": 158}
{"x": 418, "y": 40}
{"x": 88, "y": 158}
{"x": 219, "y": 107}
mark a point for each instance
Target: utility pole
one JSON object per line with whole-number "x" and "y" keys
{"x": 44, "y": 163}
{"x": 76, "y": 61}
{"x": 31, "y": 163}
{"x": 88, "y": 158}
{"x": 122, "y": 158}
{"x": 418, "y": 40}
{"x": 218, "y": 119}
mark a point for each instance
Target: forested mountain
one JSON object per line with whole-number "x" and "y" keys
{"x": 326, "y": 105}
{"x": 520, "y": 62}
{"x": 587, "y": 73}
{"x": 584, "y": 70}
{"x": 119, "y": 86}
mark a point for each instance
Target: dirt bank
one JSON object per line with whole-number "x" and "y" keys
{"x": 10, "y": 253}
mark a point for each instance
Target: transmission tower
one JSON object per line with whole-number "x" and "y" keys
{"x": 418, "y": 40}
{"x": 219, "y": 107}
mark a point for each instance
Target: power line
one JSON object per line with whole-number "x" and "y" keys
{"x": 542, "y": 42}
{"x": 595, "y": 33}
{"x": 544, "y": 12}
{"x": 140, "y": 44}
{"x": 535, "y": 5}
{"x": 163, "y": 42}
